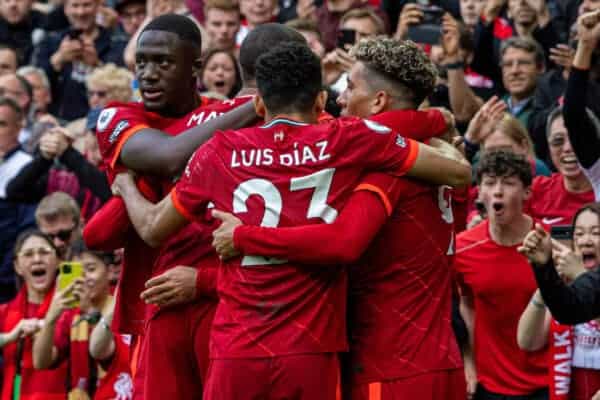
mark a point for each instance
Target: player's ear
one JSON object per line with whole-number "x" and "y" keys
{"x": 259, "y": 106}
{"x": 380, "y": 102}
{"x": 321, "y": 101}
{"x": 197, "y": 68}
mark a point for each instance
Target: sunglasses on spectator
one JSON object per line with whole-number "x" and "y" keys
{"x": 42, "y": 252}
{"x": 99, "y": 93}
{"x": 63, "y": 235}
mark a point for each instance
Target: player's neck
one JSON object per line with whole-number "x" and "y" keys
{"x": 308, "y": 118}
{"x": 247, "y": 91}
{"x": 398, "y": 104}
{"x": 512, "y": 233}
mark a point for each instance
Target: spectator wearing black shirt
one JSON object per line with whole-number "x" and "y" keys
{"x": 70, "y": 55}
{"x": 19, "y": 25}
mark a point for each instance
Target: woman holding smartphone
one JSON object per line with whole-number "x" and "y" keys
{"x": 576, "y": 350}
{"x": 36, "y": 263}
{"x": 73, "y": 313}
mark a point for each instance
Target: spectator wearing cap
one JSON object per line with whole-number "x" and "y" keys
{"x": 14, "y": 217}
{"x": 132, "y": 14}
{"x": 222, "y": 23}
{"x": 69, "y": 56}
{"x": 58, "y": 166}
{"x": 20, "y": 25}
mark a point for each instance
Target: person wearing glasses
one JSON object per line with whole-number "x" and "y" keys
{"x": 36, "y": 262}
{"x": 58, "y": 217}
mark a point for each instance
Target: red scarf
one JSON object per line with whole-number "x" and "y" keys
{"x": 561, "y": 354}
{"x": 35, "y": 384}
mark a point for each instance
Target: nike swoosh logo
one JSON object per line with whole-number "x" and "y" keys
{"x": 551, "y": 221}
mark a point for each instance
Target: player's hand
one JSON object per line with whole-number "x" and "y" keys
{"x": 471, "y": 380}
{"x": 596, "y": 396}
{"x": 411, "y": 15}
{"x": 173, "y": 287}
{"x": 223, "y": 235}
{"x": 482, "y": 123}
{"x": 122, "y": 181}
{"x": 569, "y": 265}
{"x": 537, "y": 246}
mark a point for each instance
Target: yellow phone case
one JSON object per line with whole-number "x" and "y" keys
{"x": 68, "y": 271}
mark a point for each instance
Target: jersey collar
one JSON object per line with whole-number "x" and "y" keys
{"x": 285, "y": 121}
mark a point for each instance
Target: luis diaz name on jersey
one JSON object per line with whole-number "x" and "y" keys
{"x": 300, "y": 155}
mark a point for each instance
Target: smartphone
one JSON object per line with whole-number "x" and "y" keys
{"x": 346, "y": 38}
{"x": 561, "y": 232}
{"x": 68, "y": 271}
{"x": 75, "y": 33}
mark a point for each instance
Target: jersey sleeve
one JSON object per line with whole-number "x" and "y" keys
{"x": 414, "y": 124}
{"x": 386, "y": 187}
{"x": 380, "y": 148}
{"x": 347, "y": 237}
{"x": 115, "y": 125}
{"x": 191, "y": 194}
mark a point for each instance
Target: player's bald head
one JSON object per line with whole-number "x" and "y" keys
{"x": 259, "y": 41}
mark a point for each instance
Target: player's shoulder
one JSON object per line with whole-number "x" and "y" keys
{"x": 228, "y": 104}
{"x": 470, "y": 238}
{"x": 116, "y": 112}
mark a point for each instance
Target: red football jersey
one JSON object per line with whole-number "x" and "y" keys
{"x": 400, "y": 290}
{"x": 116, "y": 124}
{"x": 284, "y": 173}
{"x": 501, "y": 283}
{"x": 552, "y": 204}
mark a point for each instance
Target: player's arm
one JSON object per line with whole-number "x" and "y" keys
{"x": 154, "y": 152}
{"x": 441, "y": 164}
{"x": 108, "y": 227}
{"x": 340, "y": 242}
{"x": 467, "y": 312}
{"x": 153, "y": 222}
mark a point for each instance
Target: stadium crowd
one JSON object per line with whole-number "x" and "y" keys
{"x": 300, "y": 199}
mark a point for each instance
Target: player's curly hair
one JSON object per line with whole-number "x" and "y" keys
{"x": 400, "y": 62}
{"x": 504, "y": 163}
{"x": 289, "y": 78}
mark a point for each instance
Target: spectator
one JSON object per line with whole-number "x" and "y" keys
{"x": 18, "y": 89}
{"x": 36, "y": 263}
{"x": 58, "y": 341}
{"x": 42, "y": 96}
{"x": 555, "y": 199}
{"x": 536, "y": 330}
{"x": 58, "y": 217}
{"x": 20, "y": 26}
{"x": 522, "y": 64}
{"x": 310, "y": 30}
{"x": 8, "y": 60}
{"x": 132, "y": 14}
{"x": 255, "y": 12}
{"x": 329, "y": 15}
{"x": 470, "y": 10}
{"x": 582, "y": 124}
{"x": 69, "y": 56}
{"x": 14, "y": 217}
{"x": 221, "y": 74}
{"x": 109, "y": 83}
{"x": 526, "y": 20}
{"x": 496, "y": 285}
{"x": 57, "y": 166}
{"x": 336, "y": 64}
{"x": 222, "y": 24}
